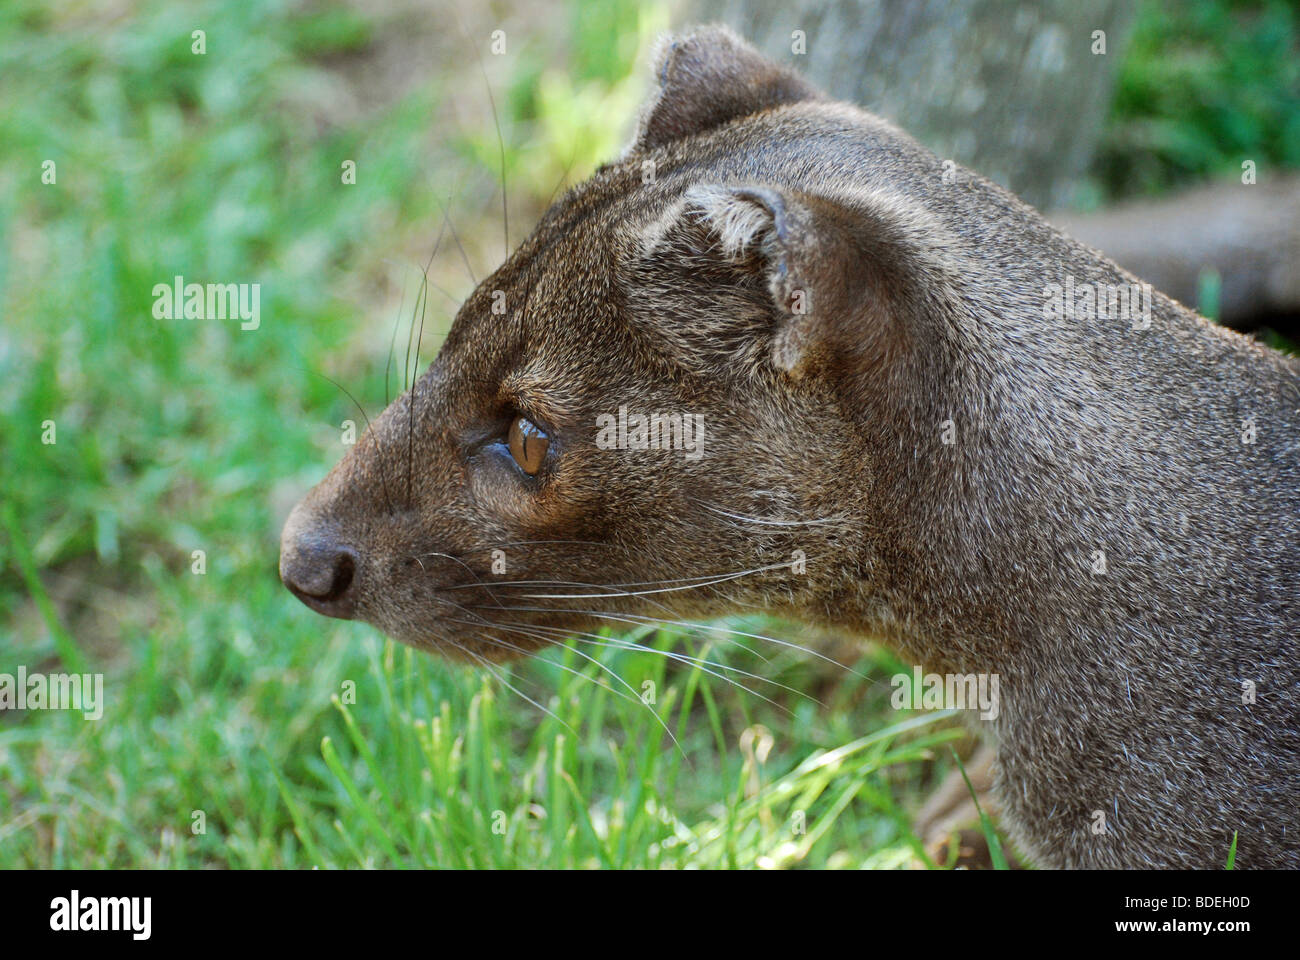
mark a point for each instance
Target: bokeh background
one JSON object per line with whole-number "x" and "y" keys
{"x": 294, "y": 741}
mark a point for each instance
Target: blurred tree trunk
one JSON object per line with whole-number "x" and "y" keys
{"x": 1236, "y": 245}
{"x": 1012, "y": 91}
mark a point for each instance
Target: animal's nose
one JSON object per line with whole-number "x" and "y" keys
{"x": 319, "y": 570}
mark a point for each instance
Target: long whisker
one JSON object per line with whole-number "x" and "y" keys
{"x": 637, "y": 619}
{"x": 548, "y": 634}
{"x": 513, "y": 689}
{"x": 585, "y": 543}
{"x": 468, "y": 569}
{"x": 383, "y": 473}
{"x": 752, "y": 636}
{"x": 496, "y": 120}
{"x": 568, "y": 167}
{"x": 422, "y": 299}
{"x": 701, "y": 663}
{"x": 761, "y": 521}
{"x": 496, "y": 641}
{"x": 609, "y": 670}
{"x": 640, "y": 593}
{"x": 392, "y": 345}
{"x": 459, "y": 246}
{"x": 555, "y": 583}
{"x": 437, "y": 244}
{"x": 657, "y": 622}
{"x": 703, "y": 580}
{"x": 564, "y": 633}
{"x": 624, "y": 644}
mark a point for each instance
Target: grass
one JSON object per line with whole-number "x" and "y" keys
{"x": 240, "y": 729}
{"x": 1204, "y": 87}
{"x": 990, "y": 832}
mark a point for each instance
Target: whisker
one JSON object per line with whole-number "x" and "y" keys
{"x": 637, "y": 619}
{"x": 501, "y": 144}
{"x": 548, "y": 633}
{"x": 497, "y": 641}
{"x": 421, "y": 294}
{"x": 754, "y": 636}
{"x": 392, "y": 345}
{"x": 459, "y": 246}
{"x": 609, "y": 670}
{"x": 703, "y": 580}
{"x": 585, "y": 543}
{"x": 643, "y": 622}
{"x": 631, "y": 696}
{"x": 701, "y": 663}
{"x": 761, "y": 521}
{"x": 437, "y": 244}
{"x": 639, "y": 593}
{"x": 513, "y": 689}
{"x": 557, "y": 583}
{"x": 468, "y": 569}
{"x": 383, "y": 473}
{"x": 623, "y": 643}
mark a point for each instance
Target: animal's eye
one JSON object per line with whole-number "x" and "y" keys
{"x": 528, "y": 445}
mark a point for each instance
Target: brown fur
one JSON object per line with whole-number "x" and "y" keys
{"x": 1121, "y": 692}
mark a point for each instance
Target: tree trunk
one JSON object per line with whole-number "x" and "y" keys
{"x": 1236, "y": 245}
{"x": 1012, "y": 91}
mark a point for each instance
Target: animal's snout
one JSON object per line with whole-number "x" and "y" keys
{"x": 317, "y": 567}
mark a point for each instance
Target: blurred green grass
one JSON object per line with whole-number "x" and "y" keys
{"x": 175, "y": 436}
{"x": 304, "y": 741}
{"x": 1204, "y": 86}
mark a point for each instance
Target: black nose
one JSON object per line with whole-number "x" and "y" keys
{"x": 321, "y": 573}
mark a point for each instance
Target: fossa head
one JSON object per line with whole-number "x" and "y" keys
{"x": 654, "y": 408}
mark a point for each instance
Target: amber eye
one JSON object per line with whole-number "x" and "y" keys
{"x": 528, "y": 445}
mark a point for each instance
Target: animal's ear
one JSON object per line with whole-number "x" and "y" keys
{"x": 850, "y": 279}
{"x": 708, "y": 77}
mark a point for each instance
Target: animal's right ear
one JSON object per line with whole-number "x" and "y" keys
{"x": 851, "y": 277}
{"x": 709, "y": 77}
